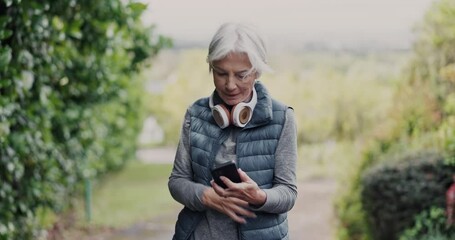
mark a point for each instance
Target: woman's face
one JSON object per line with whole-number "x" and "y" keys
{"x": 232, "y": 83}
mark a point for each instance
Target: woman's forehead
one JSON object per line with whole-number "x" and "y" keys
{"x": 233, "y": 60}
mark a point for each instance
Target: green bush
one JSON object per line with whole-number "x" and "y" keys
{"x": 430, "y": 225}
{"x": 394, "y": 193}
{"x": 70, "y": 100}
{"x": 350, "y": 211}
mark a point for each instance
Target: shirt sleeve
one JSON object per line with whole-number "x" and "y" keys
{"x": 281, "y": 197}
{"x": 181, "y": 185}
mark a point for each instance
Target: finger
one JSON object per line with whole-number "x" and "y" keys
{"x": 228, "y": 182}
{"x": 236, "y": 190}
{"x": 243, "y": 176}
{"x": 237, "y": 209}
{"x": 233, "y": 209}
{"x": 243, "y": 211}
{"x": 241, "y": 192}
{"x": 218, "y": 190}
{"x": 236, "y": 218}
{"x": 239, "y": 202}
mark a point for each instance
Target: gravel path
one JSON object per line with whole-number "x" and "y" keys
{"x": 312, "y": 215}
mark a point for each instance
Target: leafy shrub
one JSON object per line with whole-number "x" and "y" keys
{"x": 430, "y": 225}
{"x": 394, "y": 193}
{"x": 70, "y": 100}
{"x": 423, "y": 115}
{"x": 425, "y": 102}
{"x": 350, "y": 211}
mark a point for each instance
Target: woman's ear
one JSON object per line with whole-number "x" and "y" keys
{"x": 256, "y": 75}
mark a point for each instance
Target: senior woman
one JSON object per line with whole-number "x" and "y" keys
{"x": 238, "y": 122}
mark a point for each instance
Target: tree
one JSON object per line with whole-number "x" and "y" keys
{"x": 70, "y": 99}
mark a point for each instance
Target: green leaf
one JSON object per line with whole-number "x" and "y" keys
{"x": 5, "y": 34}
{"x": 137, "y": 7}
{"x": 27, "y": 79}
{"x": 5, "y": 57}
{"x": 8, "y": 3}
{"x": 57, "y": 23}
{"x": 4, "y": 20}
{"x": 4, "y": 129}
{"x": 3, "y": 229}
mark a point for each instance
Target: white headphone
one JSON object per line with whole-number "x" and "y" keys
{"x": 240, "y": 114}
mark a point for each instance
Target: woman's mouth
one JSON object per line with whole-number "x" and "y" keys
{"x": 231, "y": 96}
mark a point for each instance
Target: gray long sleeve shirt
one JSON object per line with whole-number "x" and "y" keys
{"x": 215, "y": 225}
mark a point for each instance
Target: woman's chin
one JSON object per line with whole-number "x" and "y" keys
{"x": 231, "y": 102}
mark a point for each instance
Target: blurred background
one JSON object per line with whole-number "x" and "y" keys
{"x": 93, "y": 95}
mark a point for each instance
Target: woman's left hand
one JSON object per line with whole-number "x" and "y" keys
{"x": 247, "y": 190}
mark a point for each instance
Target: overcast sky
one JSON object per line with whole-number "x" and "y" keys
{"x": 346, "y": 22}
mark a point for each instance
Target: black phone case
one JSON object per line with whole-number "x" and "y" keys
{"x": 228, "y": 170}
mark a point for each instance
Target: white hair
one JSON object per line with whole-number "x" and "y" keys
{"x": 239, "y": 38}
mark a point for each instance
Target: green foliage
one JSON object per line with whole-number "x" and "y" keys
{"x": 350, "y": 211}
{"x": 70, "y": 100}
{"x": 430, "y": 225}
{"x": 423, "y": 113}
{"x": 393, "y": 193}
{"x": 432, "y": 79}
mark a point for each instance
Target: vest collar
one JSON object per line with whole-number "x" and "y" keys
{"x": 263, "y": 112}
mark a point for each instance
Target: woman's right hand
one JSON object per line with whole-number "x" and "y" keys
{"x": 233, "y": 207}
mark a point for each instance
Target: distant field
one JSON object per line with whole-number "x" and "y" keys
{"x": 340, "y": 98}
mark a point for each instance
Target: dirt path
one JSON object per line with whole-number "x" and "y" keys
{"x": 310, "y": 219}
{"x": 312, "y": 216}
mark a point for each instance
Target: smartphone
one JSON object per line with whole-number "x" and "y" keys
{"x": 228, "y": 170}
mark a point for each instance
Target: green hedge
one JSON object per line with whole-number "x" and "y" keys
{"x": 394, "y": 193}
{"x": 70, "y": 100}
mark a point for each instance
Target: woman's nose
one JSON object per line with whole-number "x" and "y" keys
{"x": 230, "y": 83}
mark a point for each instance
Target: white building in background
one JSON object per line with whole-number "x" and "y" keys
{"x": 151, "y": 132}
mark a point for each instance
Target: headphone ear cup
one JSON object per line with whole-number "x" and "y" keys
{"x": 241, "y": 115}
{"x": 221, "y": 115}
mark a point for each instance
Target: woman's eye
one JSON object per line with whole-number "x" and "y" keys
{"x": 242, "y": 76}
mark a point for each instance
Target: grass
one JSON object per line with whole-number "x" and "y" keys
{"x": 137, "y": 193}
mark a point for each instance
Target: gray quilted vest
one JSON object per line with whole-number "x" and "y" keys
{"x": 255, "y": 149}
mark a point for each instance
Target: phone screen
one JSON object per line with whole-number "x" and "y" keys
{"x": 228, "y": 170}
